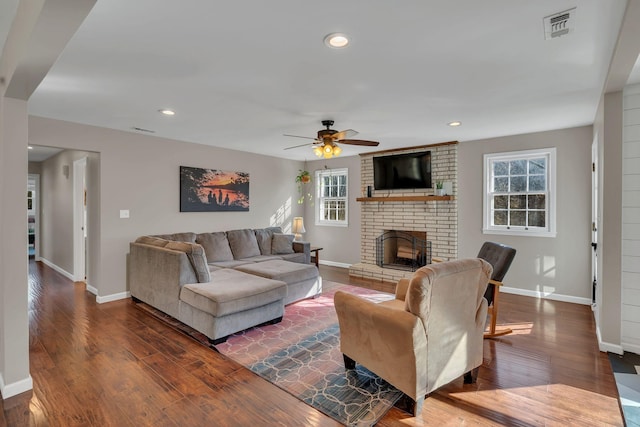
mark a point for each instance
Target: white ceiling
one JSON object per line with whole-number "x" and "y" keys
{"x": 241, "y": 74}
{"x": 38, "y": 153}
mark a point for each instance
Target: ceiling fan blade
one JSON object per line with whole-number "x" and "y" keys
{"x": 347, "y": 133}
{"x": 301, "y": 145}
{"x": 359, "y": 142}
{"x": 298, "y": 136}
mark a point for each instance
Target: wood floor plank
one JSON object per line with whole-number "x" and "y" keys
{"x": 115, "y": 365}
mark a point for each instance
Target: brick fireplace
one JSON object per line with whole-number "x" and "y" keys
{"x": 414, "y": 210}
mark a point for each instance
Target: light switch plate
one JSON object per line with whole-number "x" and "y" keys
{"x": 124, "y": 213}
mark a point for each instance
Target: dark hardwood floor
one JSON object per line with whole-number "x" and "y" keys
{"x": 114, "y": 365}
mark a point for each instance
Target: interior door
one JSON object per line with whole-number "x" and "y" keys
{"x": 79, "y": 219}
{"x": 594, "y": 219}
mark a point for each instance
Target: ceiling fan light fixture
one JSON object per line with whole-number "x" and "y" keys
{"x": 327, "y": 155}
{"x": 327, "y": 149}
{"x": 317, "y": 151}
{"x": 337, "y": 150}
{"x": 336, "y": 40}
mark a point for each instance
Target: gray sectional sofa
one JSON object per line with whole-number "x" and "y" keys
{"x": 222, "y": 282}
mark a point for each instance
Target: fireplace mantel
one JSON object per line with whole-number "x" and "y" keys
{"x": 403, "y": 199}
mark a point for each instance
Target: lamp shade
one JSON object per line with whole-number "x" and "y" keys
{"x": 298, "y": 227}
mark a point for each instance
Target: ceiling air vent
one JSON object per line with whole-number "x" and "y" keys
{"x": 559, "y": 24}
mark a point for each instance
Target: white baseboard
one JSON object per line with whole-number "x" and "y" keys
{"x": 546, "y": 295}
{"x": 606, "y": 346}
{"x": 633, "y": 348}
{"x": 58, "y": 269}
{"x": 13, "y": 389}
{"x": 335, "y": 264}
{"x": 113, "y": 297}
{"x": 91, "y": 289}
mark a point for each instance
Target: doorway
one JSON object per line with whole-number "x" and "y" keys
{"x": 33, "y": 216}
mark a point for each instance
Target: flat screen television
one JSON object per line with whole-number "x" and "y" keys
{"x": 402, "y": 171}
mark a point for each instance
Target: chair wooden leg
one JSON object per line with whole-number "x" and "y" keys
{"x": 407, "y": 404}
{"x": 471, "y": 376}
{"x": 349, "y": 363}
{"x": 493, "y": 310}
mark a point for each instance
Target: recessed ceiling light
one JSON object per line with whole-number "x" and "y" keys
{"x": 336, "y": 40}
{"x": 453, "y": 124}
{"x": 167, "y": 112}
{"x": 30, "y": 147}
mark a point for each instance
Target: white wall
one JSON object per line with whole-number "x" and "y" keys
{"x": 607, "y": 130}
{"x": 555, "y": 267}
{"x": 14, "y": 332}
{"x": 341, "y": 245}
{"x": 631, "y": 219}
{"x": 141, "y": 174}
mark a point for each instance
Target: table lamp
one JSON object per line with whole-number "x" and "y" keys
{"x": 298, "y": 228}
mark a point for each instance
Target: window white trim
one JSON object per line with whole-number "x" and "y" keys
{"x": 550, "y": 193}
{"x": 319, "y": 174}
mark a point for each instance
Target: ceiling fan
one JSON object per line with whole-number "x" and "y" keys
{"x": 326, "y": 142}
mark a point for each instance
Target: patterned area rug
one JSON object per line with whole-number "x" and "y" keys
{"x": 301, "y": 355}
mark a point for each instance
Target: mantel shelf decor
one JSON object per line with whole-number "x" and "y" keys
{"x": 404, "y": 199}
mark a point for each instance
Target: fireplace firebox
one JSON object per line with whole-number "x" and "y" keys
{"x": 403, "y": 250}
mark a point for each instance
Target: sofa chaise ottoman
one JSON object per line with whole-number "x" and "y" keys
{"x": 302, "y": 278}
{"x": 218, "y": 309}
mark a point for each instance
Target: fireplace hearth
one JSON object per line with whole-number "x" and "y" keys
{"x": 403, "y": 250}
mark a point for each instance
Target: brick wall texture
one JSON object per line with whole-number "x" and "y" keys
{"x": 439, "y": 219}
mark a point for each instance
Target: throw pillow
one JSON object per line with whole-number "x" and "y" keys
{"x": 282, "y": 244}
{"x": 196, "y": 256}
{"x": 152, "y": 241}
{"x": 216, "y": 246}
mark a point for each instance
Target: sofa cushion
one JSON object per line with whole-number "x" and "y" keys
{"x": 282, "y": 243}
{"x": 289, "y": 272}
{"x": 263, "y": 236}
{"x": 230, "y": 264}
{"x": 261, "y": 258}
{"x": 243, "y": 243}
{"x": 196, "y": 256}
{"x": 231, "y": 291}
{"x": 295, "y": 257}
{"x": 216, "y": 246}
{"x": 152, "y": 241}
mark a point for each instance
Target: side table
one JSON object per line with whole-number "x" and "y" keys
{"x": 315, "y": 256}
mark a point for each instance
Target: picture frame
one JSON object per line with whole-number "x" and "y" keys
{"x": 213, "y": 190}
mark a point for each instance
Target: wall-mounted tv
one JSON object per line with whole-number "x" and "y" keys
{"x": 402, "y": 171}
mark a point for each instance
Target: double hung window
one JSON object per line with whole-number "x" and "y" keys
{"x": 519, "y": 193}
{"x": 331, "y": 197}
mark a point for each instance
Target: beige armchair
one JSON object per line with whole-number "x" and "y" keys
{"x": 429, "y": 335}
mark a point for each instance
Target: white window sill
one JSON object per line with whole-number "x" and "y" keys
{"x": 520, "y": 233}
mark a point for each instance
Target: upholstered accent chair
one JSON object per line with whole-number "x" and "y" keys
{"x": 429, "y": 335}
{"x": 500, "y": 257}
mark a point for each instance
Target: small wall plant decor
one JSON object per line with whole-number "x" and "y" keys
{"x": 303, "y": 177}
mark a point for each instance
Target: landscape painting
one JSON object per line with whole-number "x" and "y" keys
{"x": 212, "y": 190}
